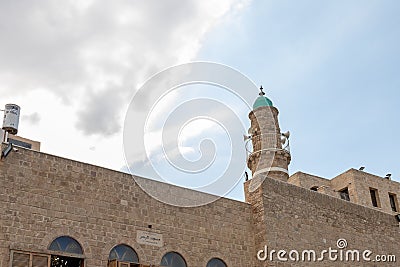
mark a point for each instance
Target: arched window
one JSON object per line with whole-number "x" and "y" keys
{"x": 66, "y": 244}
{"x": 123, "y": 253}
{"x": 173, "y": 259}
{"x": 215, "y": 262}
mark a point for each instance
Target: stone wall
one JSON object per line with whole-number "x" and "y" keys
{"x": 308, "y": 180}
{"x": 358, "y": 183}
{"x": 44, "y": 196}
{"x": 301, "y": 219}
{"x": 364, "y": 181}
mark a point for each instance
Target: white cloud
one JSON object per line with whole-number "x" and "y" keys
{"x": 33, "y": 118}
{"x": 83, "y": 59}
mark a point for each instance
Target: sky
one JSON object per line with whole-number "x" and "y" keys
{"x": 330, "y": 67}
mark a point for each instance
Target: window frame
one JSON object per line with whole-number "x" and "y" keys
{"x": 396, "y": 205}
{"x": 218, "y": 259}
{"x": 345, "y": 194}
{"x": 174, "y": 252}
{"x": 124, "y": 260}
{"x": 31, "y": 255}
{"x": 67, "y": 253}
{"x": 374, "y": 195}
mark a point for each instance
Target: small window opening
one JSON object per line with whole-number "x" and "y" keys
{"x": 374, "y": 197}
{"x": 393, "y": 202}
{"x": 344, "y": 194}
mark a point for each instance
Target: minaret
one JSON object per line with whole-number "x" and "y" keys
{"x": 269, "y": 159}
{"x": 270, "y": 156}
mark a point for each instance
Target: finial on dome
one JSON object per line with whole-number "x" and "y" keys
{"x": 262, "y": 100}
{"x": 262, "y": 92}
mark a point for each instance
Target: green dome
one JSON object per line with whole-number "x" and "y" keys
{"x": 262, "y": 101}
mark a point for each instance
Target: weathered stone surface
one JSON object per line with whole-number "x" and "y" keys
{"x": 44, "y": 196}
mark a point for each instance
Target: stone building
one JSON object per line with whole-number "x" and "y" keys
{"x": 60, "y": 212}
{"x": 21, "y": 141}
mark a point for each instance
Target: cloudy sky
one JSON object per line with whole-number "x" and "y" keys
{"x": 331, "y": 68}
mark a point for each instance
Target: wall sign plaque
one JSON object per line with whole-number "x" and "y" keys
{"x": 149, "y": 238}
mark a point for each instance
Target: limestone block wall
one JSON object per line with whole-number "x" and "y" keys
{"x": 363, "y": 181}
{"x": 43, "y": 196}
{"x": 306, "y": 180}
{"x": 300, "y": 219}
